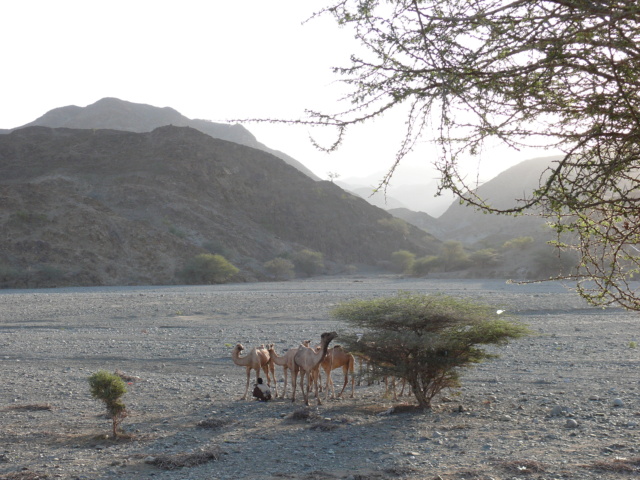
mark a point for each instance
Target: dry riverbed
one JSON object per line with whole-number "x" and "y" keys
{"x": 563, "y": 404}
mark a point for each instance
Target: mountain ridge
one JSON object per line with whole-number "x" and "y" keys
{"x": 107, "y": 207}
{"x": 114, "y": 114}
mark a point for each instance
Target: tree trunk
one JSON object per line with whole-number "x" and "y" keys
{"x": 423, "y": 402}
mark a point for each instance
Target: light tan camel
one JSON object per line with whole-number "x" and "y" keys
{"x": 285, "y": 361}
{"x": 393, "y": 386}
{"x": 307, "y": 362}
{"x": 256, "y": 359}
{"x": 337, "y": 357}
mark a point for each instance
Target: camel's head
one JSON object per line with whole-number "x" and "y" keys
{"x": 239, "y": 348}
{"x": 306, "y": 343}
{"x": 326, "y": 337}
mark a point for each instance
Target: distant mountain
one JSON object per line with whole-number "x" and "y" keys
{"x": 108, "y": 207}
{"x": 421, "y": 220}
{"x": 411, "y": 187}
{"x": 116, "y": 114}
{"x": 475, "y": 228}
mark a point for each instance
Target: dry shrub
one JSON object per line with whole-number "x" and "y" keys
{"x": 24, "y": 475}
{"x": 126, "y": 377}
{"x": 180, "y": 460}
{"x": 213, "y": 423}
{"x": 324, "y": 426}
{"x": 618, "y": 465}
{"x": 31, "y": 407}
{"x": 524, "y": 466}
{"x": 304, "y": 414}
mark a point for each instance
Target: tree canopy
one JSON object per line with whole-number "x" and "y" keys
{"x": 424, "y": 339}
{"x": 555, "y": 74}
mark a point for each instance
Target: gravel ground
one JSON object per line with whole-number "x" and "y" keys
{"x": 561, "y": 404}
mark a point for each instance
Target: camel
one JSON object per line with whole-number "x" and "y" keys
{"x": 307, "y": 362}
{"x": 256, "y": 359}
{"x": 337, "y": 357}
{"x": 393, "y": 386}
{"x": 285, "y": 361}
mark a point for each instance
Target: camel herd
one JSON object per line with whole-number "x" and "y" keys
{"x": 305, "y": 361}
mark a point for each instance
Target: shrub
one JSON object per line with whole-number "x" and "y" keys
{"x": 402, "y": 261}
{"x": 308, "y": 262}
{"x": 109, "y": 387}
{"x": 487, "y": 257}
{"x": 396, "y": 225}
{"x": 520, "y": 243}
{"x": 424, "y": 339}
{"x": 208, "y": 268}
{"x": 424, "y": 265}
{"x": 452, "y": 256}
{"x": 280, "y": 268}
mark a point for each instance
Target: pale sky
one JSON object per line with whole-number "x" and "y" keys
{"x": 206, "y": 59}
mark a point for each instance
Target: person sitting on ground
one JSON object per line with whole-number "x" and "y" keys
{"x": 261, "y": 391}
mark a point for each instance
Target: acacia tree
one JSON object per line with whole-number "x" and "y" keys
{"x": 559, "y": 74}
{"x": 424, "y": 339}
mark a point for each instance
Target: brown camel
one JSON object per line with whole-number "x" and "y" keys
{"x": 337, "y": 357}
{"x": 256, "y": 359}
{"x": 285, "y": 361}
{"x": 307, "y": 362}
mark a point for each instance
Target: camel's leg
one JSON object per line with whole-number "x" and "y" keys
{"x": 353, "y": 377}
{"x": 315, "y": 384}
{"x": 305, "y": 395}
{"x": 345, "y": 371}
{"x": 294, "y": 378}
{"x": 393, "y": 385}
{"x": 326, "y": 387}
{"x": 272, "y": 366}
{"x": 246, "y": 390}
{"x": 266, "y": 369}
{"x": 284, "y": 393}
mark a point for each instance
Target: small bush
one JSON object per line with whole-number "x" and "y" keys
{"x": 425, "y": 265}
{"x": 280, "y": 268}
{"x": 308, "y": 262}
{"x": 208, "y": 268}
{"x": 109, "y": 387}
{"x": 487, "y": 257}
{"x": 395, "y": 224}
{"x": 520, "y": 243}
{"x": 453, "y": 256}
{"x": 402, "y": 261}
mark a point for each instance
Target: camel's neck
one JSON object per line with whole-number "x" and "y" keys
{"x": 324, "y": 347}
{"x": 276, "y": 359}
{"x": 238, "y": 360}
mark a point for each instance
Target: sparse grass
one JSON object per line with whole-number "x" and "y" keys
{"x": 324, "y": 426}
{"x": 181, "y": 460}
{"x": 524, "y": 467}
{"x": 24, "y": 475}
{"x": 617, "y": 465}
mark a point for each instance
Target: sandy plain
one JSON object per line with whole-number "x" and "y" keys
{"x": 563, "y": 404}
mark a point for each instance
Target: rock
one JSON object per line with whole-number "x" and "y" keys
{"x": 618, "y": 402}
{"x": 571, "y": 423}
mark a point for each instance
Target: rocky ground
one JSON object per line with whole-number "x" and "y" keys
{"x": 563, "y": 404}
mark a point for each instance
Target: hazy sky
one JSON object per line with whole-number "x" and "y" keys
{"x": 205, "y": 58}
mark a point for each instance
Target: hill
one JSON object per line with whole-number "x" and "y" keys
{"x": 106, "y": 207}
{"x": 115, "y": 114}
{"x": 473, "y": 227}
